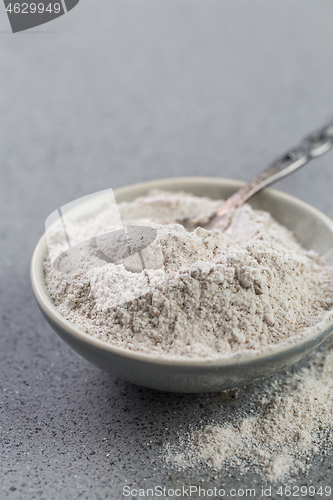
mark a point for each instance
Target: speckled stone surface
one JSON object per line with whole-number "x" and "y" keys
{"x": 117, "y": 92}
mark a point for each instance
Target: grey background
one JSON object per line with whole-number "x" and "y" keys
{"x": 113, "y": 93}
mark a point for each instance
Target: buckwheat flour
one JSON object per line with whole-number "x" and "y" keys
{"x": 275, "y": 429}
{"x": 217, "y": 293}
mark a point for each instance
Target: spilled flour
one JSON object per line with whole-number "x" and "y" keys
{"x": 215, "y": 292}
{"x": 274, "y": 430}
{"x": 206, "y": 294}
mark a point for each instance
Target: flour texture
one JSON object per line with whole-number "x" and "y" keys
{"x": 275, "y": 429}
{"x": 217, "y": 292}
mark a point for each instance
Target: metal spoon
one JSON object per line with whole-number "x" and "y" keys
{"x": 312, "y": 146}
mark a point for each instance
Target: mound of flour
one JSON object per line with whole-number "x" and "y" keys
{"x": 217, "y": 293}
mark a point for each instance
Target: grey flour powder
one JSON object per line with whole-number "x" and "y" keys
{"x": 274, "y": 429}
{"x": 217, "y": 293}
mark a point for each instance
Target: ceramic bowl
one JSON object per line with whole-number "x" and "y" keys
{"x": 313, "y": 229}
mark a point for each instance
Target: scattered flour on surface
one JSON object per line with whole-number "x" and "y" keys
{"x": 217, "y": 293}
{"x": 275, "y": 429}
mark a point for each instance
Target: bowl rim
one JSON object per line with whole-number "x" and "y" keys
{"x": 238, "y": 358}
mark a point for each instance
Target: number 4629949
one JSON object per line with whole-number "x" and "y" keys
{"x": 32, "y": 8}
{"x": 310, "y": 491}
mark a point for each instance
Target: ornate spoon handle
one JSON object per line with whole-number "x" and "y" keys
{"x": 314, "y": 145}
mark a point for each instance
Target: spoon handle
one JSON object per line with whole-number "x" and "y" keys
{"x": 312, "y": 146}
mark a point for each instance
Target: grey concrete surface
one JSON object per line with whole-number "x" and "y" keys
{"x": 117, "y": 92}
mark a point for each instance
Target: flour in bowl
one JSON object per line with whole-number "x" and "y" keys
{"x": 216, "y": 293}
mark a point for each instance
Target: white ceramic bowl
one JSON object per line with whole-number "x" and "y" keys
{"x": 313, "y": 229}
